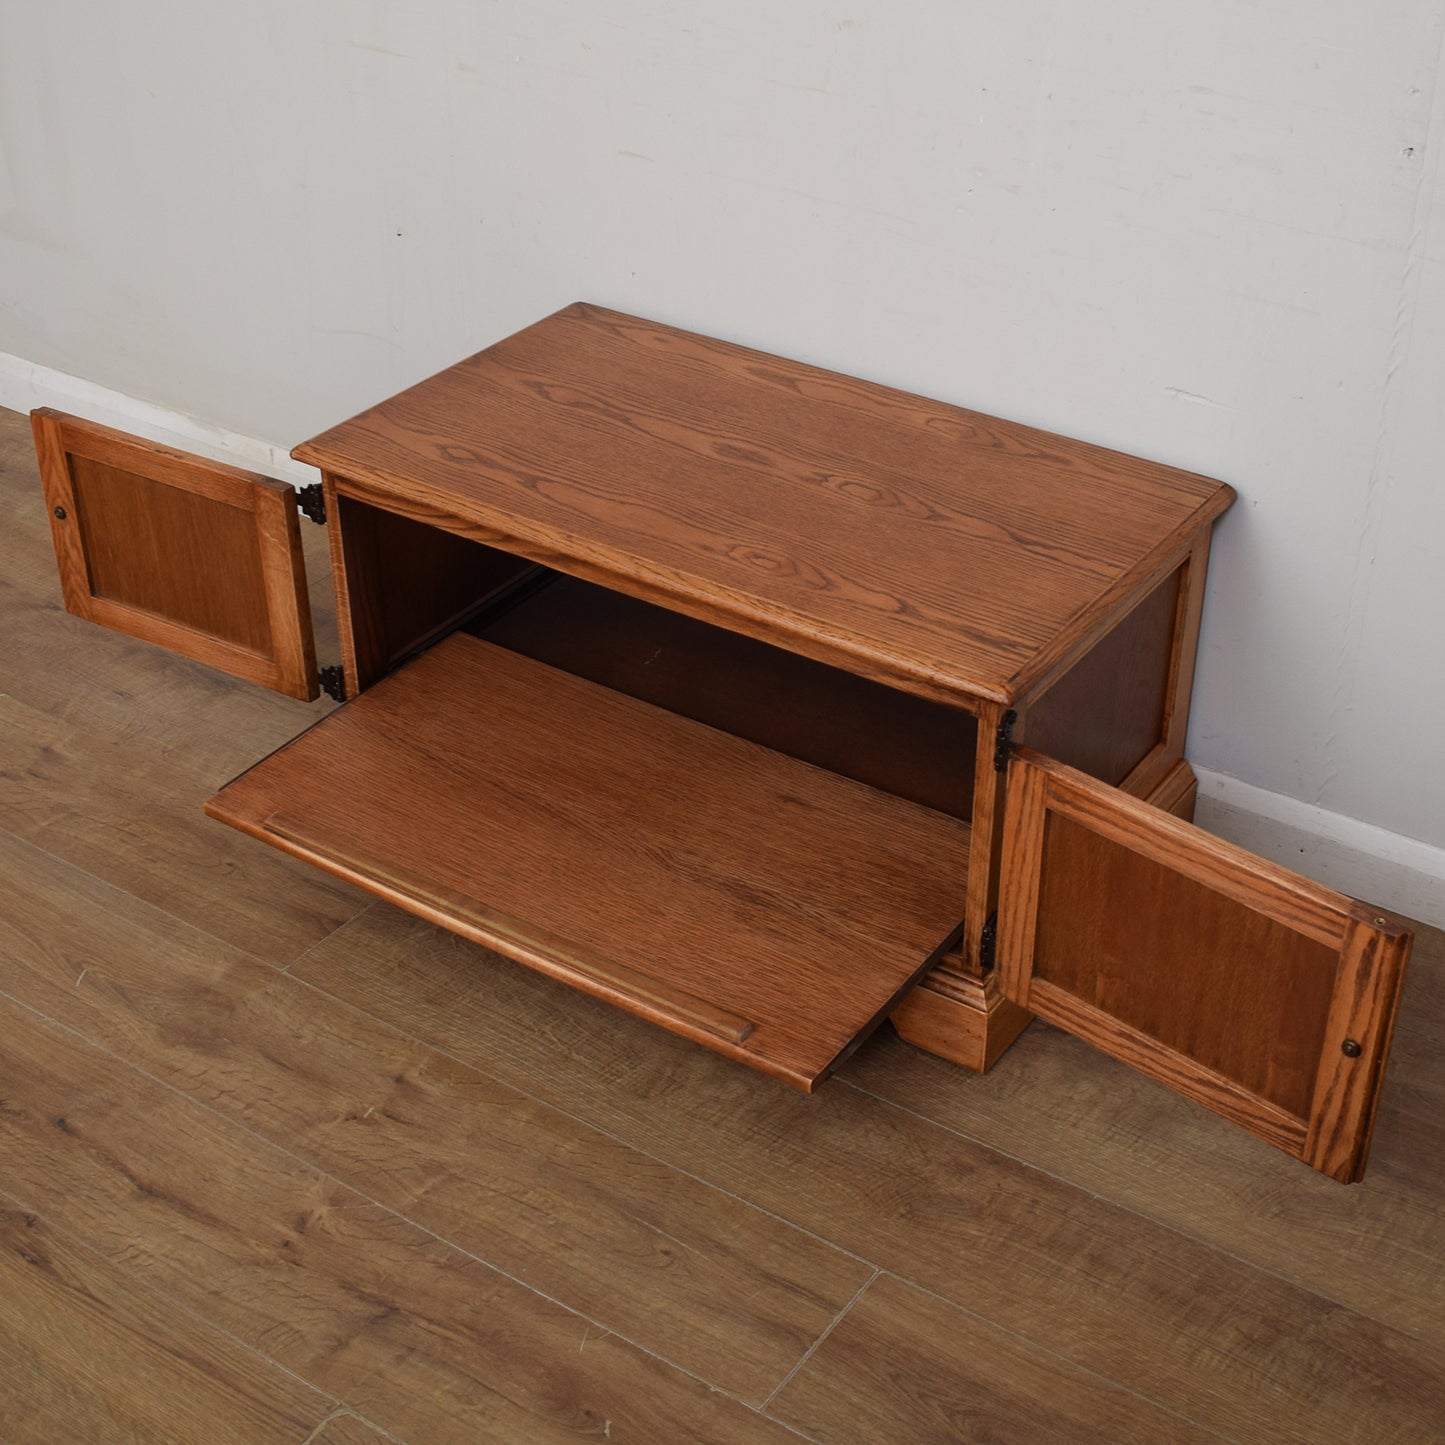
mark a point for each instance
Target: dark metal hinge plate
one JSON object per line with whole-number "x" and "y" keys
{"x": 311, "y": 502}
{"x": 1001, "y": 740}
{"x": 988, "y": 943}
{"x": 333, "y": 682}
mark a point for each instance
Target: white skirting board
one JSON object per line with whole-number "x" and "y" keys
{"x": 1387, "y": 869}
{"x": 25, "y": 385}
{"x": 1380, "y": 867}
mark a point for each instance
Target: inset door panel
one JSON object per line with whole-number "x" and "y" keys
{"x": 1248, "y": 988}
{"x": 197, "y": 556}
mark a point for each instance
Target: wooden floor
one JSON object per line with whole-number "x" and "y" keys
{"x": 279, "y": 1164}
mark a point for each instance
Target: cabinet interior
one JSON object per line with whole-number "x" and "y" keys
{"x": 762, "y": 852}
{"x": 893, "y": 741}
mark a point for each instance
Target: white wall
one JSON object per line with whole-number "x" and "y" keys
{"x": 1209, "y": 234}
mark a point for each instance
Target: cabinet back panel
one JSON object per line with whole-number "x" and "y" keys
{"x": 897, "y": 742}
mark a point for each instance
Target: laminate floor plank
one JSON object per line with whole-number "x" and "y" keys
{"x": 697, "y": 1276}
{"x": 86, "y": 1355}
{"x": 410, "y": 1332}
{"x": 902, "y": 1365}
{"x": 348, "y": 1430}
{"x": 1377, "y": 1247}
{"x": 1184, "y": 1324}
{"x": 128, "y": 817}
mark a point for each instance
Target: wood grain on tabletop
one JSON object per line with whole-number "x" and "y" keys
{"x": 847, "y": 519}
{"x": 1229, "y": 1346}
{"x": 725, "y": 1290}
{"x": 86, "y": 1355}
{"x": 416, "y": 1335}
{"x": 766, "y": 908}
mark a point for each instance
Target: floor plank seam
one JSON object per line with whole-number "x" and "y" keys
{"x": 175, "y": 918}
{"x": 546, "y": 1103}
{"x": 420, "y": 1042}
{"x": 1068, "y": 1363}
{"x": 1150, "y": 1219}
{"x": 601, "y": 1130}
{"x": 818, "y": 1343}
{"x": 843, "y": 1249}
{"x": 326, "y": 938}
{"x": 345, "y": 1412}
{"x": 368, "y": 1201}
{"x": 336, "y": 1414}
{"x": 339, "y": 1407}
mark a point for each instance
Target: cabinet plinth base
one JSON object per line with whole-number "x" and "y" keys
{"x": 966, "y": 1019}
{"x": 962, "y": 1019}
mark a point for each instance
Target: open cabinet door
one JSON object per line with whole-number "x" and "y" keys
{"x": 1256, "y": 992}
{"x": 198, "y": 556}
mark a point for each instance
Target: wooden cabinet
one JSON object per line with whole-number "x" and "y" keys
{"x": 766, "y": 703}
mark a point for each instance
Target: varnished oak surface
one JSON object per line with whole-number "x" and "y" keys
{"x": 764, "y": 907}
{"x": 464, "y": 1204}
{"x": 950, "y": 553}
{"x": 888, "y": 739}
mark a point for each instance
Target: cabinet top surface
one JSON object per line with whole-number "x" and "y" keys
{"x": 951, "y": 553}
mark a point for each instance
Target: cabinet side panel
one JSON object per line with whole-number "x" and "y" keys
{"x": 402, "y": 584}
{"x": 1108, "y": 712}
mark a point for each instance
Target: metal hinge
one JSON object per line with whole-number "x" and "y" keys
{"x": 311, "y": 502}
{"x": 988, "y": 943}
{"x": 333, "y": 682}
{"x": 1001, "y": 739}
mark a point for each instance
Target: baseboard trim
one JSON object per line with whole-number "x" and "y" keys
{"x": 1398, "y": 873}
{"x": 24, "y": 385}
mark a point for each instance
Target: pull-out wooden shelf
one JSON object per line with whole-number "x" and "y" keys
{"x": 767, "y": 908}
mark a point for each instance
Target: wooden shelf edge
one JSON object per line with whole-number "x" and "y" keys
{"x": 679, "y": 1012}
{"x": 766, "y": 908}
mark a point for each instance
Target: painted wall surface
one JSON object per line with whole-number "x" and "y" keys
{"x": 1209, "y": 234}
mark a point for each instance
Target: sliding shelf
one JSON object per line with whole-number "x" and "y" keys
{"x": 764, "y": 907}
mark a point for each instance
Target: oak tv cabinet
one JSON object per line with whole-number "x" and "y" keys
{"x": 763, "y": 702}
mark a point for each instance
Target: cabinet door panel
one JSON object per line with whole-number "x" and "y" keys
{"x": 1256, "y": 992}
{"x": 197, "y": 556}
